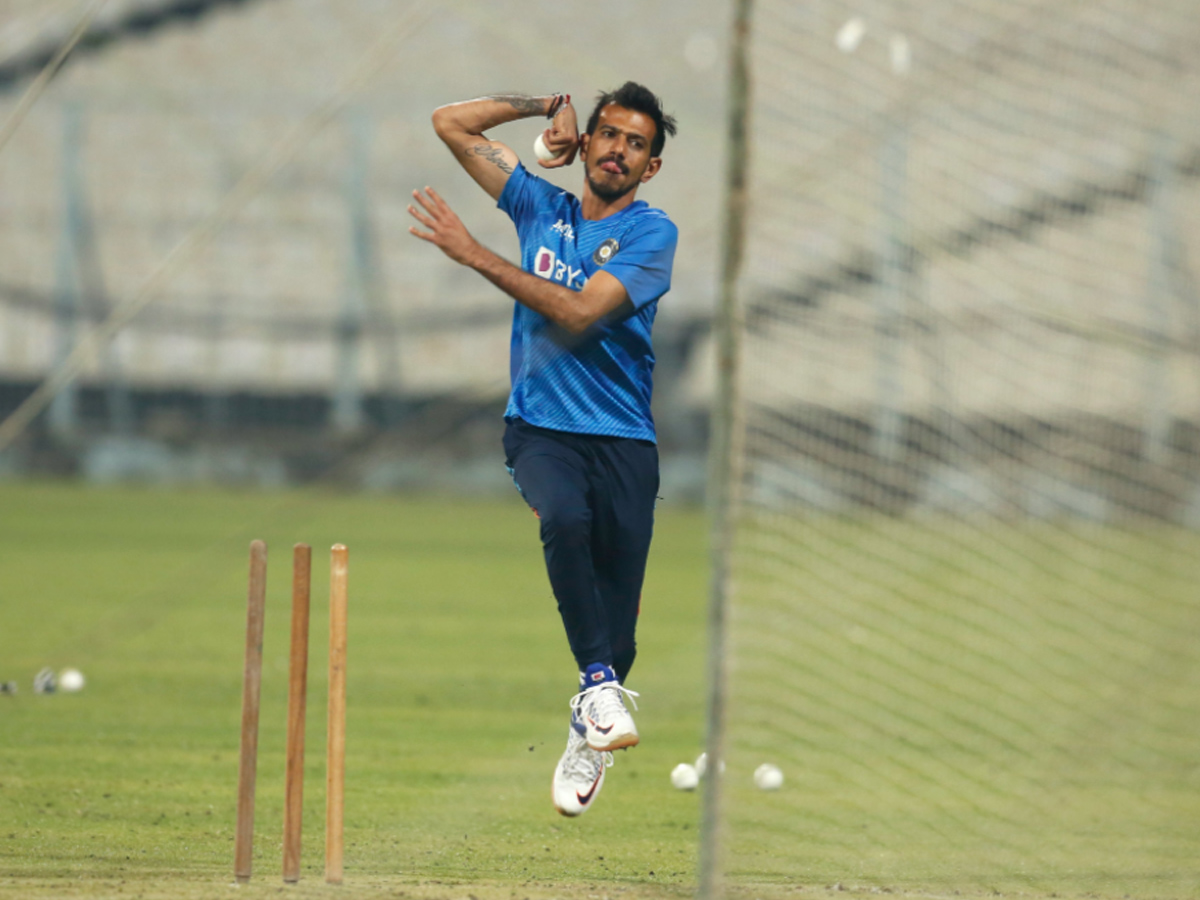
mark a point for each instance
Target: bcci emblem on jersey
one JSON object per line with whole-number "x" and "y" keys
{"x": 605, "y": 251}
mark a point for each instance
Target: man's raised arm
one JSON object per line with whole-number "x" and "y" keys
{"x": 461, "y": 127}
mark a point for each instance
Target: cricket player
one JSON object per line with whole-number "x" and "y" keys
{"x": 579, "y": 437}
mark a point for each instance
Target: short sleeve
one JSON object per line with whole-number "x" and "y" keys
{"x": 523, "y": 195}
{"x": 643, "y": 261}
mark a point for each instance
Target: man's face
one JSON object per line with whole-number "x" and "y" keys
{"x": 616, "y": 155}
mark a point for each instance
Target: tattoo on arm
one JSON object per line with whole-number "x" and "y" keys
{"x": 521, "y": 103}
{"x": 492, "y": 154}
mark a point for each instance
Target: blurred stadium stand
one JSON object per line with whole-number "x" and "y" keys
{"x": 316, "y": 338}
{"x": 971, "y": 281}
{"x": 1003, "y": 240}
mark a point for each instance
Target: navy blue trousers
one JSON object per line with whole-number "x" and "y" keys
{"x": 595, "y": 498}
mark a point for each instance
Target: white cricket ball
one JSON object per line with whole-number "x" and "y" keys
{"x": 71, "y": 680}
{"x": 768, "y": 777}
{"x": 702, "y": 765}
{"x": 684, "y": 777}
{"x": 544, "y": 153}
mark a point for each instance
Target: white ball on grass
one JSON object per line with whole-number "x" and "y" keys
{"x": 702, "y": 765}
{"x": 768, "y": 777}
{"x": 71, "y": 680}
{"x": 684, "y": 777}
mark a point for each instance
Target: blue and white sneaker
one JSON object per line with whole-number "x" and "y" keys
{"x": 579, "y": 775}
{"x": 599, "y": 708}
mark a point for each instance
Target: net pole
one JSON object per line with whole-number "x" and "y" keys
{"x": 725, "y": 447}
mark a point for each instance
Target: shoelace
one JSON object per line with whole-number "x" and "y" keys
{"x": 582, "y": 764}
{"x": 605, "y": 696}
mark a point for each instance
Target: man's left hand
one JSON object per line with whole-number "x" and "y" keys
{"x": 446, "y": 229}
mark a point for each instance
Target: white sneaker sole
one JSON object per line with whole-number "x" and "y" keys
{"x": 606, "y": 742}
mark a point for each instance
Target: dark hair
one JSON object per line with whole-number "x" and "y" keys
{"x": 638, "y": 98}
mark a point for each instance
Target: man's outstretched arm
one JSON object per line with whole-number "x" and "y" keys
{"x": 574, "y": 311}
{"x": 462, "y": 125}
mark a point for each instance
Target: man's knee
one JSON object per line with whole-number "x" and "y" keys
{"x": 566, "y": 524}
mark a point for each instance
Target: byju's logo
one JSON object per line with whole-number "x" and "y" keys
{"x": 543, "y": 263}
{"x": 547, "y": 265}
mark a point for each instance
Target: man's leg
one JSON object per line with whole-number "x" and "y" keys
{"x": 621, "y": 532}
{"x": 552, "y": 475}
{"x": 624, "y": 479}
{"x": 551, "y": 471}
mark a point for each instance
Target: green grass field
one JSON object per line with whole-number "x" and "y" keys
{"x": 1008, "y": 707}
{"x": 459, "y": 678}
{"x": 982, "y": 711}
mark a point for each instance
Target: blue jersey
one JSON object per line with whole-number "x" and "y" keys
{"x": 598, "y": 382}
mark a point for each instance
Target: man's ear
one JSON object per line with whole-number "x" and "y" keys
{"x": 651, "y": 169}
{"x": 584, "y": 140}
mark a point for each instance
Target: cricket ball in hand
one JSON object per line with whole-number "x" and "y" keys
{"x": 684, "y": 777}
{"x": 544, "y": 153}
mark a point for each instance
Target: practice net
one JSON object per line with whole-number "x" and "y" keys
{"x": 966, "y": 575}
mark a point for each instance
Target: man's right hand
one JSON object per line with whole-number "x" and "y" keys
{"x": 562, "y": 137}
{"x": 462, "y": 125}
